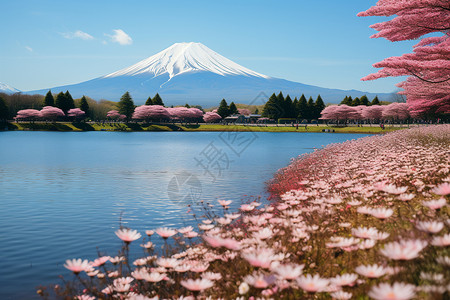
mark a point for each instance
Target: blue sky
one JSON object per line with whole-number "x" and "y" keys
{"x": 322, "y": 42}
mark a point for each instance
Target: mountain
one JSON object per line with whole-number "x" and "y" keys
{"x": 4, "y": 88}
{"x": 193, "y": 73}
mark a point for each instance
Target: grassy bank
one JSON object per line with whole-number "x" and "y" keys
{"x": 67, "y": 126}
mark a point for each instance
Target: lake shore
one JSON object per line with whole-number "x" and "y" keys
{"x": 132, "y": 127}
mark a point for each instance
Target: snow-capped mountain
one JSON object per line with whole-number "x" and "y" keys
{"x": 193, "y": 73}
{"x": 4, "y": 88}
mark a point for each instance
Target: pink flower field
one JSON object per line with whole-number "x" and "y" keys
{"x": 364, "y": 219}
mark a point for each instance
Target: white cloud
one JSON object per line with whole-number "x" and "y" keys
{"x": 120, "y": 37}
{"x": 78, "y": 35}
{"x": 29, "y": 48}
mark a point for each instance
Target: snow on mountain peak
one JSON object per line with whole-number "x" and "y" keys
{"x": 7, "y": 89}
{"x": 185, "y": 57}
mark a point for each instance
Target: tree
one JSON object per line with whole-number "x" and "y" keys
{"x": 149, "y": 101}
{"x": 310, "y": 109}
{"x": 396, "y": 111}
{"x": 347, "y": 101}
{"x": 364, "y": 100}
{"x": 64, "y": 101}
{"x": 428, "y": 67}
{"x": 126, "y": 105}
{"x": 151, "y": 112}
{"x": 84, "y": 106}
{"x": 187, "y": 105}
{"x": 288, "y": 108}
{"x": 318, "y": 107}
{"x": 373, "y": 112}
{"x": 3, "y": 110}
{"x": 256, "y": 111}
{"x": 157, "y": 100}
{"x": 302, "y": 108}
{"x": 356, "y": 102}
{"x": 375, "y": 101}
{"x": 28, "y": 114}
{"x": 76, "y": 113}
{"x": 233, "y": 109}
{"x": 223, "y": 110}
{"x": 69, "y": 101}
{"x": 114, "y": 114}
{"x": 51, "y": 113}
{"x": 211, "y": 117}
{"x": 49, "y": 100}
{"x": 272, "y": 108}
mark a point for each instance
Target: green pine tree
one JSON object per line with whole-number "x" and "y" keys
{"x": 280, "y": 105}
{"x": 272, "y": 109}
{"x": 364, "y": 100}
{"x": 356, "y": 102}
{"x": 149, "y": 101}
{"x": 84, "y": 106}
{"x": 310, "y": 109}
{"x": 256, "y": 111}
{"x": 288, "y": 108}
{"x": 157, "y": 100}
{"x": 233, "y": 109}
{"x": 375, "y": 101}
{"x": 318, "y": 107}
{"x": 60, "y": 101}
{"x": 49, "y": 100}
{"x": 302, "y": 107}
{"x": 126, "y": 105}
{"x": 223, "y": 110}
{"x": 3, "y": 110}
{"x": 187, "y": 105}
{"x": 294, "y": 108}
{"x": 345, "y": 101}
{"x": 69, "y": 101}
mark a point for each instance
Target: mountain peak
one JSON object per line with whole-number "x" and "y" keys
{"x": 8, "y": 89}
{"x": 183, "y": 58}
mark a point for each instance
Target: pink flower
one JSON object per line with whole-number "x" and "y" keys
{"x": 442, "y": 241}
{"x": 153, "y": 277}
{"x": 381, "y": 213}
{"x": 77, "y": 265}
{"x": 344, "y": 279}
{"x": 373, "y": 271}
{"x": 435, "y": 204}
{"x": 167, "y": 262}
{"x": 442, "y": 189}
{"x": 397, "y": 291}
{"x": 224, "y": 203}
{"x": 341, "y": 295}
{"x": 166, "y": 232}
{"x": 197, "y": 284}
{"x": 127, "y": 235}
{"x": 364, "y": 232}
{"x": 259, "y": 257}
{"x": 403, "y": 250}
{"x": 431, "y": 226}
{"x": 100, "y": 261}
{"x": 312, "y": 283}
{"x": 185, "y": 229}
{"x": 212, "y": 276}
{"x": 259, "y": 280}
{"x": 289, "y": 272}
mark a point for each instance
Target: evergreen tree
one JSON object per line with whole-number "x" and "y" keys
{"x": 364, "y": 100}
{"x": 149, "y": 101}
{"x": 375, "y": 101}
{"x": 49, "y": 100}
{"x": 349, "y": 101}
{"x": 84, "y": 106}
{"x": 356, "y": 102}
{"x": 346, "y": 101}
{"x": 69, "y": 101}
{"x": 294, "y": 107}
{"x": 280, "y": 105}
{"x": 256, "y": 111}
{"x": 302, "y": 108}
{"x": 157, "y": 100}
{"x": 310, "y": 109}
{"x": 3, "y": 110}
{"x": 318, "y": 107}
{"x": 233, "y": 109}
{"x": 223, "y": 110}
{"x": 60, "y": 101}
{"x": 126, "y": 105}
{"x": 272, "y": 109}
{"x": 288, "y": 108}
{"x": 187, "y": 105}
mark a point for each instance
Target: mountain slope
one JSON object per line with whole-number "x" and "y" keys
{"x": 193, "y": 73}
{"x": 4, "y": 88}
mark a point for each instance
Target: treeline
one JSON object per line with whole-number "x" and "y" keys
{"x": 360, "y": 101}
{"x": 12, "y": 103}
{"x": 278, "y": 107}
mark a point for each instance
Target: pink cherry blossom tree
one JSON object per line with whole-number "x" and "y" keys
{"x": 76, "y": 113}
{"x": 373, "y": 113}
{"x": 244, "y": 111}
{"x": 396, "y": 111}
{"x": 330, "y": 113}
{"x": 115, "y": 115}
{"x": 211, "y": 117}
{"x": 151, "y": 112}
{"x": 428, "y": 67}
{"x": 28, "y": 114}
{"x": 51, "y": 113}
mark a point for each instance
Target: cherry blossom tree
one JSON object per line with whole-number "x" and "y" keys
{"x": 428, "y": 67}
{"x": 114, "y": 114}
{"x": 396, "y": 111}
{"x": 330, "y": 112}
{"x": 151, "y": 112}
{"x": 76, "y": 113}
{"x": 341, "y": 112}
{"x": 373, "y": 113}
{"x": 51, "y": 113}
{"x": 186, "y": 114}
{"x": 28, "y": 114}
{"x": 211, "y": 117}
{"x": 244, "y": 111}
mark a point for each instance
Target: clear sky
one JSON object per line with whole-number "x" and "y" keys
{"x": 49, "y": 43}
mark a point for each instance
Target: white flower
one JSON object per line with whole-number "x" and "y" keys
{"x": 431, "y": 226}
{"x": 371, "y": 271}
{"x": 312, "y": 283}
{"x": 403, "y": 250}
{"x": 397, "y": 291}
{"x": 243, "y": 288}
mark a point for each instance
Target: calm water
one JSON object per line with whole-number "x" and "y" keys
{"x": 63, "y": 194}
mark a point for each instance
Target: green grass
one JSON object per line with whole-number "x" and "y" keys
{"x": 61, "y": 126}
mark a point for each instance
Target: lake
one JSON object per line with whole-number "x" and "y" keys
{"x": 63, "y": 194}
